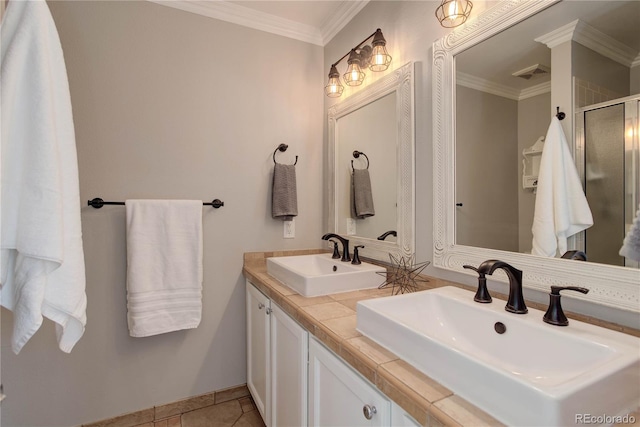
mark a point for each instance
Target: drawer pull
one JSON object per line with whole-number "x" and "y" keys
{"x": 369, "y": 411}
{"x": 260, "y": 306}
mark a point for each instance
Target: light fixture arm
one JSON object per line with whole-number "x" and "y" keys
{"x": 355, "y": 48}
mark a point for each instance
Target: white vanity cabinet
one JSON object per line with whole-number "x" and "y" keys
{"x": 276, "y": 362}
{"x": 400, "y": 418}
{"x": 338, "y": 396}
{"x": 297, "y": 381}
{"x": 258, "y": 348}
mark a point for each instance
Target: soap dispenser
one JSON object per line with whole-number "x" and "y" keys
{"x": 482, "y": 295}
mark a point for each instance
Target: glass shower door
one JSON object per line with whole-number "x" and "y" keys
{"x": 608, "y": 144}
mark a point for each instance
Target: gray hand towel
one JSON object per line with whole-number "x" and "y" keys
{"x": 362, "y": 198}
{"x": 284, "y": 201}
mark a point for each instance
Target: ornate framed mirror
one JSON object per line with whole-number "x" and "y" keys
{"x": 379, "y": 122}
{"x": 613, "y": 286}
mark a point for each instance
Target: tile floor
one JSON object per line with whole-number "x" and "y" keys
{"x": 240, "y": 412}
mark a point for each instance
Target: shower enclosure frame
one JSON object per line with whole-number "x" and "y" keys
{"x": 631, "y": 143}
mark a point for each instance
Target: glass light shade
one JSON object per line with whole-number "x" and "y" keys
{"x": 333, "y": 89}
{"x": 354, "y": 75}
{"x": 380, "y": 59}
{"x": 452, "y": 13}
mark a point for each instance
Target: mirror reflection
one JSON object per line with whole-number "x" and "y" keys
{"x": 504, "y": 104}
{"x": 366, "y": 196}
{"x": 377, "y": 125}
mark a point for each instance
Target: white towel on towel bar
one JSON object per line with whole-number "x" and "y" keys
{"x": 164, "y": 265}
{"x": 42, "y": 268}
{"x": 561, "y": 208}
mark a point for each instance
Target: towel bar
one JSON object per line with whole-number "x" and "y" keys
{"x": 97, "y": 203}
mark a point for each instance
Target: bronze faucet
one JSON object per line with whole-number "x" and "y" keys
{"x": 515, "y": 304}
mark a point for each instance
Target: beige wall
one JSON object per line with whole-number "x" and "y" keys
{"x": 533, "y": 122}
{"x": 169, "y": 104}
{"x": 591, "y": 66}
{"x": 634, "y": 87}
{"x": 487, "y": 162}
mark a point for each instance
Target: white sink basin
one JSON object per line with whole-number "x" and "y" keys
{"x": 314, "y": 275}
{"x": 533, "y": 374}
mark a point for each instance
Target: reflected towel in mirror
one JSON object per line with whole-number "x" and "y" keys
{"x": 631, "y": 244}
{"x": 361, "y": 194}
{"x": 561, "y": 208}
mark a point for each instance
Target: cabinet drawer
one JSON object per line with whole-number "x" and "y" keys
{"x": 339, "y": 396}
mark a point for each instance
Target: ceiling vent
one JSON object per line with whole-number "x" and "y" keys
{"x": 532, "y": 71}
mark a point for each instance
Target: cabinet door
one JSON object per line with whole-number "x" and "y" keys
{"x": 289, "y": 351}
{"x": 400, "y": 418}
{"x": 258, "y": 378}
{"x": 338, "y": 396}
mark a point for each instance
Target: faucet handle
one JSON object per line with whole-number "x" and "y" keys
{"x": 336, "y": 252}
{"x": 555, "y": 290}
{"x": 555, "y": 315}
{"x": 482, "y": 294}
{"x": 356, "y": 255}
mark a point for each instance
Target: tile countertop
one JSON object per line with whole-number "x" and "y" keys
{"x": 332, "y": 319}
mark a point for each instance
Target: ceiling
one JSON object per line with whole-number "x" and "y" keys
{"x": 311, "y": 21}
{"x": 612, "y": 29}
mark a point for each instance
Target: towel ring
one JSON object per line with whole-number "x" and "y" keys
{"x": 356, "y": 154}
{"x": 282, "y": 148}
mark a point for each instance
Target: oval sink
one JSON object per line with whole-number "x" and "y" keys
{"x": 319, "y": 274}
{"x": 519, "y": 369}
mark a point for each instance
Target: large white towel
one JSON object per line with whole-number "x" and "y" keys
{"x": 631, "y": 244}
{"x": 164, "y": 265}
{"x": 42, "y": 270}
{"x": 561, "y": 208}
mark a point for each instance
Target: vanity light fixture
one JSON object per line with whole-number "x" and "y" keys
{"x": 374, "y": 57}
{"x": 452, "y": 13}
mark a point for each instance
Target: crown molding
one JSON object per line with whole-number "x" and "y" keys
{"x": 605, "y": 45}
{"x": 483, "y": 85}
{"x": 340, "y": 18}
{"x": 559, "y": 35}
{"x": 247, "y": 17}
{"x": 593, "y": 39}
{"x": 536, "y": 90}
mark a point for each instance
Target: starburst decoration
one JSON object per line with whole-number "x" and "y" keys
{"x": 404, "y": 274}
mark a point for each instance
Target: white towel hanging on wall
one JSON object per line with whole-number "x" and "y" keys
{"x": 164, "y": 265}
{"x": 42, "y": 270}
